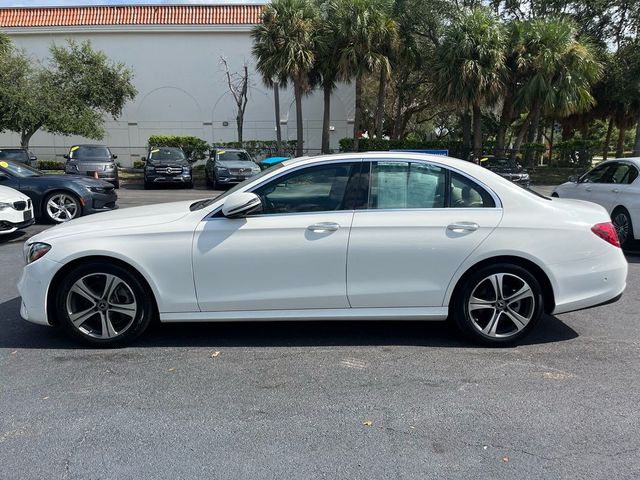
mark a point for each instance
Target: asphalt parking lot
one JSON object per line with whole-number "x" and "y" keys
{"x": 320, "y": 400}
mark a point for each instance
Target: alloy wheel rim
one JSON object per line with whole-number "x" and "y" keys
{"x": 101, "y": 305}
{"x": 501, "y": 305}
{"x": 62, "y": 208}
{"x": 621, "y": 224}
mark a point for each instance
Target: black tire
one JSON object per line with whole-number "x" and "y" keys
{"x": 555, "y": 195}
{"x": 132, "y": 326}
{"x": 148, "y": 185}
{"x": 188, "y": 185}
{"x": 624, "y": 227}
{"x": 54, "y": 195}
{"x": 207, "y": 180}
{"x": 116, "y": 184}
{"x": 215, "y": 184}
{"x": 507, "y": 331}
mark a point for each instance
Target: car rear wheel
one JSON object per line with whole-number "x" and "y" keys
{"x": 207, "y": 179}
{"x": 103, "y": 305}
{"x": 61, "y": 207}
{"x": 498, "y": 304}
{"x": 116, "y": 184}
{"x": 624, "y": 228}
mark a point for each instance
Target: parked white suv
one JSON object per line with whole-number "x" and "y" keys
{"x": 615, "y": 185}
{"x": 16, "y": 210}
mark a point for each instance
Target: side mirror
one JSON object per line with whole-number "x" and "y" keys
{"x": 66, "y": 156}
{"x": 240, "y": 204}
{"x": 33, "y": 158}
{"x": 114, "y": 156}
{"x": 573, "y": 179}
{"x": 144, "y": 159}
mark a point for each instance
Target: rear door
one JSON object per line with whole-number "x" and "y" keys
{"x": 420, "y": 223}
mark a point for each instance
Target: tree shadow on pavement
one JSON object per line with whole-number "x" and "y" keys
{"x": 17, "y": 333}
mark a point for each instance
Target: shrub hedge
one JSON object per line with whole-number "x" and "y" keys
{"x": 49, "y": 165}
{"x": 193, "y": 147}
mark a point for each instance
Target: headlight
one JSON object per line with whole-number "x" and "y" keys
{"x": 37, "y": 250}
{"x": 222, "y": 170}
{"x": 109, "y": 167}
{"x": 525, "y": 176}
{"x": 97, "y": 189}
{"x": 150, "y": 169}
{"x": 4, "y": 205}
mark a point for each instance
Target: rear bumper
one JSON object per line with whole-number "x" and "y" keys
{"x": 589, "y": 283}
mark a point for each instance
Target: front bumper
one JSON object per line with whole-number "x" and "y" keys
{"x": 33, "y": 288}
{"x": 99, "y": 202}
{"x": 155, "y": 178}
{"x": 13, "y": 219}
{"x": 232, "y": 179}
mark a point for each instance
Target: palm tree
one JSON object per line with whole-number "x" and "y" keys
{"x": 364, "y": 27}
{"x": 559, "y": 72}
{"x": 284, "y": 45}
{"x": 468, "y": 66}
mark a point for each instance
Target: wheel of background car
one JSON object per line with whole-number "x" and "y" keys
{"x": 61, "y": 207}
{"x": 188, "y": 185}
{"x": 498, "y": 304}
{"x": 147, "y": 185}
{"x": 116, "y": 184}
{"x": 624, "y": 228}
{"x": 555, "y": 195}
{"x": 103, "y": 304}
{"x": 207, "y": 179}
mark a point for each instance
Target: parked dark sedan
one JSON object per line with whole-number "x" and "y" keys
{"x": 229, "y": 167}
{"x": 58, "y": 198}
{"x": 167, "y": 165}
{"x": 92, "y": 160}
{"x": 507, "y": 168}
{"x": 17, "y": 154}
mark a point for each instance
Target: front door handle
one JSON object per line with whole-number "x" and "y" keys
{"x": 588, "y": 189}
{"x": 323, "y": 227}
{"x": 463, "y": 227}
{"x": 616, "y": 190}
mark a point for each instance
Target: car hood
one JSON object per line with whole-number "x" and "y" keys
{"x": 124, "y": 219}
{"x": 507, "y": 169}
{"x": 8, "y": 194}
{"x": 78, "y": 179}
{"x": 236, "y": 164}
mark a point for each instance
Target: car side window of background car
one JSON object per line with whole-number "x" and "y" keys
{"x": 406, "y": 185}
{"x": 600, "y": 174}
{"x": 313, "y": 189}
{"x": 465, "y": 193}
{"x": 624, "y": 174}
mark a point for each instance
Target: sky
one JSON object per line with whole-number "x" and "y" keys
{"x": 73, "y": 3}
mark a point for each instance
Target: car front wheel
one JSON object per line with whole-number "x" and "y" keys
{"x": 498, "y": 304}
{"x": 61, "y": 207}
{"x": 103, "y": 304}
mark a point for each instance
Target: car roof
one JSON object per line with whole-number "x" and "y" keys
{"x": 12, "y": 148}
{"x": 89, "y": 145}
{"x": 634, "y": 160}
{"x": 229, "y": 149}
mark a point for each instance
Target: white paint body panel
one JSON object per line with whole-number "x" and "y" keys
{"x": 205, "y": 268}
{"x": 10, "y": 214}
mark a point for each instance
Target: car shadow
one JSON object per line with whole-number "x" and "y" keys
{"x": 18, "y": 235}
{"x": 18, "y": 333}
{"x": 168, "y": 186}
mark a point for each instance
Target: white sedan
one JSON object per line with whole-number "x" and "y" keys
{"x": 614, "y": 184}
{"x": 347, "y": 237}
{"x": 16, "y": 210}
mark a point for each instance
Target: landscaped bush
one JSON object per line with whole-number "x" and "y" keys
{"x": 261, "y": 148}
{"x": 456, "y": 148}
{"x": 49, "y": 165}
{"x": 575, "y": 153}
{"x": 194, "y": 147}
{"x": 138, "y": 164}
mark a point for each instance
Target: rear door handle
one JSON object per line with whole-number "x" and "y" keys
{"x": 323, "y": 227}
{"x": 463, "y": 227}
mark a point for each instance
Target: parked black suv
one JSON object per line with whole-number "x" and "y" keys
{"x": 167, "y": 165}
{"x": 228, "y": 167}
{"x": 21, "y": 155}
{"x": 92, "y": 160}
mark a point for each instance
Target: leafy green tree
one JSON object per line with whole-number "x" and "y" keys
{"x": 468, "y": 67}
{"x": 366, "y": 29}
{"x": 284, "y": 46}
{"x": 69, "y": 96}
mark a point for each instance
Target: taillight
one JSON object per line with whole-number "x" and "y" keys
{"x": 607, "y": 232}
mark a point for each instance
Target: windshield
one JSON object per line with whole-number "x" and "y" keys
{"x": 205, "y": 203}
{"x": 238, "y": 156}
{"x": 19, "y": 170}
{"x": 499, "y": 162}
{"x": 166, "y": 153}
{"x": 89, "y": 152}
{"x": 19, "y": 155}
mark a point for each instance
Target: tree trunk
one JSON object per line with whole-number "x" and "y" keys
{"x": 531, "y": 135}
{"x": 477, "y": 132}
{"x": 326, "y": 118}
{"x": 276, "y": 97}
{"x": 553, "y": 129}
{"x": 239, "y": 124}
{"x": 465, "y": 120}
{"x": 357, "y": 113}
{"x": 380, "y": 106}
{"x": 607, "y": 140}
{"x": 523, "y": 131}
{"x": 297, "y": 91}
{"x": 25, "y": 138}
{"x": 506, "y": 118}
{"x": 395, "y": 132}
{"x": 620, "y": 144}
{"x": 636, "y": 146}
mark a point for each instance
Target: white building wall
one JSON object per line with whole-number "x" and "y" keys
{"x": 182, "y": 89}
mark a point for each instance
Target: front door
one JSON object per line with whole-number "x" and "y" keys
{"x": 291, "y": 255}
{"x": 421, "y": 223}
